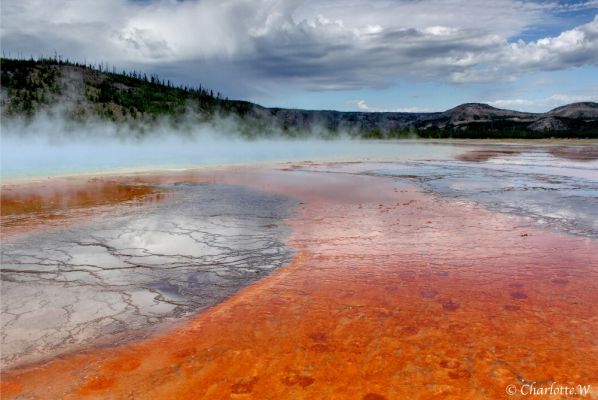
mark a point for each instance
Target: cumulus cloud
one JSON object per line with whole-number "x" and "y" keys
{"x": 575, "y": 47}
{"x": 316, "y": 45}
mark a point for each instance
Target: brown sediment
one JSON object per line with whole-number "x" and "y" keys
{"x": 480, "y": 155}
{"x": 575, "y": 153}
{"x": 377, "y": 304}
{"x": 42, "y": 204}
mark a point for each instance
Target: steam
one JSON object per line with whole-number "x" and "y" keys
{"x": 50, "y": 144}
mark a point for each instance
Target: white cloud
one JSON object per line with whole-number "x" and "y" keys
{"x": 318, "y": 45}
{"x": 582, "y": 5}
{"x": 561, "y": 98}
{"x": 547, "y": 103}
{"x": 575, "y": 47}
{"x": 514, "y": 103}
{"x": 363, "y": 106}
{"x": 503, "y": 17}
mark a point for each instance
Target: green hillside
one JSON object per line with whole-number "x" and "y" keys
{"x": 30, "y": 86}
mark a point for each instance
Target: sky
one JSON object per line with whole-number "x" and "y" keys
{"x": 376, "y": 55}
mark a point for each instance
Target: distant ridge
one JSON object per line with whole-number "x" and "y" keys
{"x": 31, "y": 87}
{"x": 481, "y": 111}
{"x": 584, "y": 110}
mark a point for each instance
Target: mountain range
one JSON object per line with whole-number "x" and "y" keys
{"x": 80, "y": 93}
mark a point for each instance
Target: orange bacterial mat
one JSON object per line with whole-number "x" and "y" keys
{"x": 392, "y": 294}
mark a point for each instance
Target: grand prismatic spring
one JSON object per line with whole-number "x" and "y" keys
{"x": 298, "y": 199}
{"x": 446, "y": 271}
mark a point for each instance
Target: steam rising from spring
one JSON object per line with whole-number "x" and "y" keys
{"x": 51, "y": 145}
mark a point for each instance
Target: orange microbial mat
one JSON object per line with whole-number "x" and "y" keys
{"x": 392, "y": 293}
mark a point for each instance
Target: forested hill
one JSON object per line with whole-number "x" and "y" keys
{"x": 78, "y": 93}
{"x": 29, "y": 87}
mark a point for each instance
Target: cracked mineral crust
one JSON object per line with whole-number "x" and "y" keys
{"x": 114, "y": 278}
